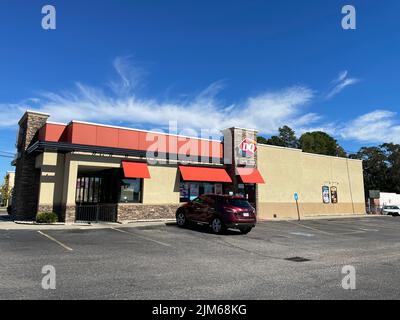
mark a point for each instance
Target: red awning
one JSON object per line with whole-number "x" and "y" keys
{"x": 135, "y": 170}
{"x": 204, "y": 174}
{"x": 250, "y": 175}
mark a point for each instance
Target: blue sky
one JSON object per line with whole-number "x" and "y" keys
{"x": 204, "y": 64}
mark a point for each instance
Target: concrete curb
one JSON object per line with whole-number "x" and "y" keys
{"x": 148, "y": 221}
{"x": 34, "y": 223}
{"x": 31, "y": 225}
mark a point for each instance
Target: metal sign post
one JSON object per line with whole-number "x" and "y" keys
{"x": 296, "y": 197}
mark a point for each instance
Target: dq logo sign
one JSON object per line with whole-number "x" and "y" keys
{"x": 248, "y": 147}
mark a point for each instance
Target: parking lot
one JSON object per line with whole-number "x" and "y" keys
{"x": 165, "y": 262}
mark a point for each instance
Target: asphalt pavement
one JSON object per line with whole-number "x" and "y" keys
{"x": 166, "y": 262}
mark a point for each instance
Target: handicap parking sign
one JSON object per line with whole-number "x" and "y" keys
{"x": 296, "y": 196}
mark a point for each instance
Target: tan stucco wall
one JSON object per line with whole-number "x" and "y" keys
{"x": 59, "y": 176}
{"x": 163, "y": 187}
{"x": 11, "y": 180}
{"x": 287, "y": 171}
{"x": 51, "y": 177}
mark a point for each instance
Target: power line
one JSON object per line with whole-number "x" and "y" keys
{"x": 6, "y": 156}
{"x": 7, "y": 152}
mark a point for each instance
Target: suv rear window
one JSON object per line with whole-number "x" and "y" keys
{"x": 240, "y": 203}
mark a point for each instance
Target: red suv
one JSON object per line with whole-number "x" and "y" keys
{"x": 220, "y": 212}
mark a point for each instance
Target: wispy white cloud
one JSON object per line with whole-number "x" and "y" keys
{"x": 10, "y": 114}
{"x": 266, "y": 111}
{"x": 340, "y": 83}
{"x": 130, "y": 75}
{"x": 377, "y": 126}
{"x": 341, "y": 77}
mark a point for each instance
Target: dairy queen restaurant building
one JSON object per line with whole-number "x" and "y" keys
{"x": 94, "y": 172}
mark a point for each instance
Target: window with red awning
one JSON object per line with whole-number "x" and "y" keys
{"x": 204, "y": 174}
{"x": 138, "y": 170}
{"x": 250, "y": 175}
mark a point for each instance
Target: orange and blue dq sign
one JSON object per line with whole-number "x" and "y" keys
{"x": 248, "y": 148}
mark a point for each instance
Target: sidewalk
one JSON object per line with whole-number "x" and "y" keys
{"x": 6, "y": 224}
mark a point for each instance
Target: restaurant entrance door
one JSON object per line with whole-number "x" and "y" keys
{"x": 248, "y": 191}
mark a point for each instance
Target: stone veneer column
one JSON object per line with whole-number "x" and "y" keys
{"x": 26, "y": 189}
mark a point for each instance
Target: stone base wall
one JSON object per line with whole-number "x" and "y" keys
{"x": 270, "y": 211}
{"x": 69, "y": 213}
{"x": 127, "y": 212}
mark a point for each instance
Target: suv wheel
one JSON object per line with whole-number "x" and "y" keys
{"x": 217, "y": 226}
{"x": 181, "y": 219}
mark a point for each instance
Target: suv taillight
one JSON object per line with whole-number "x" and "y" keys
{"x": 229, "y": 210}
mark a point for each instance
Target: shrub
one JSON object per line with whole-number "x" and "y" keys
{"x": 46, "y": 217}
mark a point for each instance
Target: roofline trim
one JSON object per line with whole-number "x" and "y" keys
{"x": 306, "y": 153}
{"x": 141, "y": 130}
{"x": 57, "y": 123}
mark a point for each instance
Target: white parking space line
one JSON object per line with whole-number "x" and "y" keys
{"x": 56, "y": 241}
{"x": 282, "y": 230}
{"x": 348, "y": 229}
{"x": 142, "y": 237}
{"x": 307, "y": 227}
{"x": 381, "y": 226}
{"x": 350, "y": 232}
{"x": 365, "y": 226}
{"x": 309, "y": 235}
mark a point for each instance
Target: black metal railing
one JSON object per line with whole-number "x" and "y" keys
{"x": 96, "y": 213}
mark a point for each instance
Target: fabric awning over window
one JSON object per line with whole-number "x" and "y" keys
{"x": 204, "y": 174}
{"x": 135, "y": 170}
{"x": 250, "y": 175}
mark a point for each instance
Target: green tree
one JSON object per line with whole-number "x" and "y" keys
{"x": 321, "y": 143}
{"x": 261, "y": 140}
{"x": 5, "y": 191}
{"x": 286, "y": 138}
{"x": 392, "y": 152}
{"x": 276, "y": 141}
{"x": 376, "y": 168}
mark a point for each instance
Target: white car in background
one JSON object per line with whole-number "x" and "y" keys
{"x": 391, "y": 210}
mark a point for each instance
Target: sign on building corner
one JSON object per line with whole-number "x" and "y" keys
{"x": 248, "y": 147}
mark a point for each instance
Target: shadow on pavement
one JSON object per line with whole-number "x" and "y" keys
{"x": 4, "y": 217}
{"x": 205, "y": 229}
